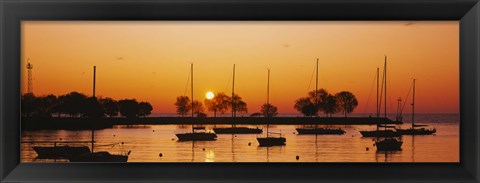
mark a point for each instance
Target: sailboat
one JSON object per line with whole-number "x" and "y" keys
{"x": 198, "y": 133}
{"x": 387, "y": 132}
{"x": 234, "y": 129}
{"x": 388, "y": 143}
{"x": 101, "y": 156}
{"x": 270, "y": 141}
{"x": 316, "y": 130}
{"x": 412, "y": 130}
{"x": 60, "y": 151}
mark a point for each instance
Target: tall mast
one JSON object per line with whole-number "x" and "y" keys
{"x": 233, "y": 95}
{"x": 93, "y": 129}
{"x": 316, "y": 90}
{"x": 191, "y": 88}
{"x": 378, "y": 110}
{"x": 413, "y": 105}
{"x": 268, "y": 98}
{"x": 385, "y": 86}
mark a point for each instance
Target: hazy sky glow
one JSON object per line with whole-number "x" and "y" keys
{"x": 150, "y": 61}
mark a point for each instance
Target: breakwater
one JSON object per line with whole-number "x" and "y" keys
{"x": 55, "y": 123}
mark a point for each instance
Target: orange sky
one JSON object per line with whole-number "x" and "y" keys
{"x": 150, "y": 61}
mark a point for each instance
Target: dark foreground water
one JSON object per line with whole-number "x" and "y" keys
{"x": 146, "y": 142}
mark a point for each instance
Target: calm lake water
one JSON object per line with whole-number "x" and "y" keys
{"x": 146, "y": 142}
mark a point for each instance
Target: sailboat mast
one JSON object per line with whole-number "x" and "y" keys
{"x": 385, "y": 68}
{"x": 191, "y": 87}
{"x": 316, "y": 90}
{"x": 378, "y": 110}
{"x": 233, "y": 95}
{"x": 413, "y": 105}
{"x": 385, "y": 85}
{"x": 93, "y": 128}
{"x": 268, "y": 98}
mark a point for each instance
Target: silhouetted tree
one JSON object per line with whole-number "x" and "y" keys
{"x": 72, "y": 103}
{"x": 145, "y": 109}
{"x": 269, "y": 110}
{"x": 183, "y": 105}
{"x": 128, "y": 108}
{"x": 46, "y": 105}
{"x": 305, "y": 106}
{"x": 110, "y": 106}
{"x": 318, "y": 98}
{"x": 27, "y": 104}
{"x": 331, "y": 105}
{"x": 91, "y": 108}
{"x": 219, "y": 103}
{"x": 239, "y": 105}
{"x": 347, "y": 102}
{"x": 197, "y": 107}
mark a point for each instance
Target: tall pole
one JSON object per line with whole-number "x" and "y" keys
{"x": 385, "y": 102}
{"x": 233, "y": 94}
{"x": 385, "y": 77}
{"x": 413, "y": 105}
{"x": 316, "y": 90}
{"x": 30, "y": 78}
{"x": 378, "y": 109}
{"x": 191, "y": 88}
{"x": 268, "y": 99}
{"x": 93, "y": 129}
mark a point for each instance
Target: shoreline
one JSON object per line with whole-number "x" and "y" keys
{"x": 67, "y": 123}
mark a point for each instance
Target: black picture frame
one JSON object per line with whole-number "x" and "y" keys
{"x": 12, "y": 12}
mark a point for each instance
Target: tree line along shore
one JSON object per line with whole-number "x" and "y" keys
{"x": 77, "y": 111}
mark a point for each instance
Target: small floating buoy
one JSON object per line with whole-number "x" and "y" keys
{"x": 203, "y": 149}
{"x": 122, "y": 143}
{"x": 161, "y": 155}
{"x": 235, "y": 136}
{"x": 153, "y": 130}
{"x": 293, "y": 132}
{"x": 352, "y": 135}
{"x": 373, "y": 145}
{"x": 113, "y": 135}
{"x": 249, "y": 143}
{"x": 366, "y": 149}
{"x": 297, "y": 157}
{"x": 173, "y": 139}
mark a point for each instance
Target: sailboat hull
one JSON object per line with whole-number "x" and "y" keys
{"x": 196, "y": 136}
{"x": 271, "y": 141}
{"x": 59, "y": 151}
{"x": 98, "y": 157}
{"x": 389, "y": 145}
{"x": 380, "y": 133}
{"x": 421, "y": 131}
{"x": 320, "y": 131}
{"x": 237, "y": 130}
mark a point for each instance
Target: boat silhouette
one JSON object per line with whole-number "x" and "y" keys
{"x": 412, "y": 130}
{"x": 198, "y": 133}
{"x": 101, "y": 156}
{"x": 316, "y": 130}
{"x": 268, "y": 140}
{"x": 388, "y": 143}
{"x": 389, "y": 131}
{"x": 234, "y": 129}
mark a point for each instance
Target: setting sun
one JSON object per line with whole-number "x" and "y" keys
{"x": 209, "y": 95}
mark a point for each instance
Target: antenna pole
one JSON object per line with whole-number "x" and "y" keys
{"x": 30, "y": 78}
